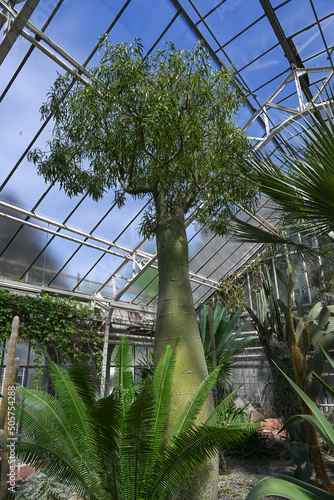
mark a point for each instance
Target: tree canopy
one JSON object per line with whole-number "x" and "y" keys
{"x": 160, "y": 126}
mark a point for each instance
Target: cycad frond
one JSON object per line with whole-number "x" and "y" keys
{"x": 82, "y": 376}
{"x": 123, "y": 380}
{"x": 77, "y": 414}
{"x": 193, "y": 407}
{"x": 48, "y": 439}
{"x": 186, "y": 453}
{"x": 220, "y": 413}
{"x": 119, "y": 453}
{"x": 107, "y": 422}
{"x": 136, "y": 443}
{"x": 161, "y": 384}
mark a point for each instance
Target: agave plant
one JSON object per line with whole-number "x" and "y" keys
{"x": 114, "y": 447}
{"x": 289, "y": 487}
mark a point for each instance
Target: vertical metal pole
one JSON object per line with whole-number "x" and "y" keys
{"x": 105, "y": 352}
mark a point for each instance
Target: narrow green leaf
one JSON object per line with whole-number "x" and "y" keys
{"x": 193, "y": 407}
{"x": 287, "y": 487}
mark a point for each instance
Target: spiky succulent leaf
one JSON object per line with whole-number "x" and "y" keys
{"x": 314, "y": 312}
{"x": 220, "y": 314}
{"x": 318, "y": 420}
{"x": 328, "y": 341}
{"x": 203, "y": 327}
{"x": 299, "y": 330}
{"x": 300, "y": 310}
{"x": 323, "y": 317}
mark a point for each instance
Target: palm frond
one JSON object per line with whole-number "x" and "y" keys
{"x": 302, "y": 181}
{"x": 245, "y": 232}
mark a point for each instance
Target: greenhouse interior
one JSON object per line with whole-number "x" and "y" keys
{"x": 166, "y": 249}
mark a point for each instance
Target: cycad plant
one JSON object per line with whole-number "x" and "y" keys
{"x": 222, "y": 338}
{"x": 114, "y": 447}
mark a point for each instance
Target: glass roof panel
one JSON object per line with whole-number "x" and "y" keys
{"x": 230, "y": 15}
{"x": 19, "y": 254}
{"x": 295, "y": 16}
{"x": 249, "y": 41}
{"x": 254, "y": 74}
{"x": 323, "y": 8}
{"x": 319, "y": 60}
{"x": 80, "y": 264}
{"x": 180, "y": 33}
{"x": 145, "y": 289}
{"x": 248, "y": 45}
{"x": 309, "y": 42}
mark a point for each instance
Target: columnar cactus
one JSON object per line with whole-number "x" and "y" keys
{"x": 12, "y": 368}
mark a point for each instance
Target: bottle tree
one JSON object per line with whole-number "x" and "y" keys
{"x": 160, "y": 127}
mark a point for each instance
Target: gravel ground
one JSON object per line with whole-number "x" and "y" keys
{"x": 242, "y": 474}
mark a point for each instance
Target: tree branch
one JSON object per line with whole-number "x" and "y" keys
{"x": 138, "y": 190}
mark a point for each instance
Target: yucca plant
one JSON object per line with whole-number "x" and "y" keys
{"x": 113, "y": 447}
{"x": 289, "y": 487}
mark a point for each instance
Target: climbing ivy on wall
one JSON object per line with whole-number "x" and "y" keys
{"x": 62, "y": 328}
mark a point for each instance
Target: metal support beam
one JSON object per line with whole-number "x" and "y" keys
{"x": 16, "y": 27}
{"x": 287, "y": 45}
{"x": 83, "y": 297}
{"x": 294, "y": 113}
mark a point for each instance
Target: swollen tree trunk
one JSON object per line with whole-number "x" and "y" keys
{"x": 176, "y": 319}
